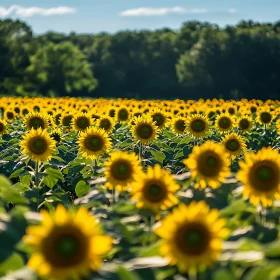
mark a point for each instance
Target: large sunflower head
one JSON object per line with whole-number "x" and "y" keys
{"x": 38, "y": 145}
{"x": 155, "y": 189}
{"x": 107, "y": 123}
{"x": 66, "y": 119}
{"x": 121, "y": 170}
{"x": 198, "y": 126}
{"x": 144, "y": 129}
{"x": 3, "y": 126}
{"x": 122, "y": 114}
{"x": 260, "y": 175}
{"x": 66, "y": 245}
{"x": 160, "y": 118}
{"x": 10, "y": 115}
{"x": 225, "y": 122}
{"x": 36, "y": 120}
{"x": 94, "y": 142}
{"x": 81, "y": 122}
{"x": 209, "y": 164}
{"x": 265, "y": 116}
{"x": 234, "y": 144}
{"x": 244, "y": 123}
{"x": 192, "y": 236}
{"x": 178, "y": 125}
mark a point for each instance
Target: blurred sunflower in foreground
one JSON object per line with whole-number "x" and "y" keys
{"x": 192, "y": 236}
{"x": 66, "y": 245}
{"x": 260, "y": 175}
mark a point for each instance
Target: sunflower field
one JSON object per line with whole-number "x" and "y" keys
{"x": 139, "y": 189}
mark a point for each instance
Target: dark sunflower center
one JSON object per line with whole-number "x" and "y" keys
{"x": 17, "y": 110}
{"x": 2, "y": 127}
{"x": 224, "y": 123}
{"x": 145, "y": 131}
{"x": 232, "y": 145}
{"x": 66, "y": 121}
{"x": 211, "y": 115}
{"x": 209, "y": 164}
{"x": 10, "y": 115}
{"x": 121, "y": 170}
{"x": 36, "y": 108}
{"x": 264, "y": 176}
{"x": 231, "y": 111}
{"x": 193, "y": 239}
{"x": 253, "y": 109}
{"x": 198, "y": 125}
{"x": 65, "y": 247}
{"x": 105, "y": 124}
{"x": 155, "y": 192}
{"x": 180, "y": 125}
{"x": 244, "y": 124}
{"x": 25, "y": 112}
{"x": 112, "y": 113}
{"x": 123, "y": 114}
{"x": 94, "y": 143}
{"x": 83, "y": 122}
{"x": 37, "y": 122}
{"x": 38, "y": 145}
{"x": 266, "y": 117}
{"x": 159, "y": 119}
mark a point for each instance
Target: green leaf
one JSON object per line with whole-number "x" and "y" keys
{"x": 10, "y": 194}
{"x": 273, "y": 249}
{"x": 234, "y": 208}
{"x": 124, "y": 274}
{"x": 159, "y": 156}
{"x": 150, "y": 251}
{"x": 55, "y": 173}
{"x": 17, "y": 173}
{"x": 82, "y": 188}
{"x": 13, "y": 263}
{"x": 223, "y": 274}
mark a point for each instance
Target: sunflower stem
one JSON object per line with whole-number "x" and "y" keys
{"x": 36, "y": 174}
{"x": 140, "y": 151}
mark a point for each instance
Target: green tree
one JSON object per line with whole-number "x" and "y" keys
{"x": 58, "y": 69}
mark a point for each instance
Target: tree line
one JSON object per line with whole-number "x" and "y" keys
{"x": 201, "y": 60}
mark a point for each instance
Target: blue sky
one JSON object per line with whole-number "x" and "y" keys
{"x": 93, "y": 16}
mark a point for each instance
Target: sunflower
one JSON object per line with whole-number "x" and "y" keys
{"x": 10, "y": 115}
{"x": 121, "y": 170}
{"x": 265, "y": 116}
{"x": 209, "y": 164}
{"x": 234, "y": 144}
{"x": 56, "y": 134}
{"x": 178, "y": 125}
{"x": 3, "y": 126}
{"x": 155, "y": 189}
{"x": 198, "y": 126}
{"x": 107, "y": 123}
{"x": 36, "y": 120}
{"x": 81, "y": 122}
{"x": 260, "y": 175}
{"x": 144, "y": 129}
{"x": 66, "y": 245}
{"x": 94, "y": 142}
{"x": 38, "y": 145}
{"x": 122, "y": 114}
{"x": 224, "y": 122}
{"x": 160, "y": 118}
{"x": 66, "y": 119}
{"x": 192, "y": 236}
{"x": 244, "y": 123}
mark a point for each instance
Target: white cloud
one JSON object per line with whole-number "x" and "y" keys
{"x": 232, "y": 11}
{"x": 160, "y": 11}
{"x": 19, "y": 11}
